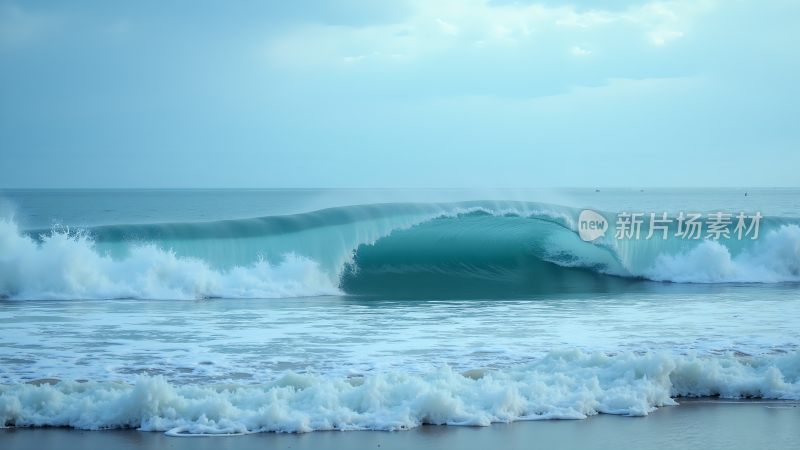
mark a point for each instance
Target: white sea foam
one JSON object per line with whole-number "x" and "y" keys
{"x": 67, "y": 265}
{"x": 774, "y": 258}
{"x": 566, "y": 385}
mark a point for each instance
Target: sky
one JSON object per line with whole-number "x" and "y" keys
{"x": 407, "y": 93}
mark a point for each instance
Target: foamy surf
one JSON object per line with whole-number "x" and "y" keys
{"x": 65, "y": 265}
{"x": 774, "y": 259}
{"x": 561, "y": 385}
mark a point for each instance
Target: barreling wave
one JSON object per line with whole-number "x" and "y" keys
{"x": 561, "y": 385}
{"x": 457, "y": 249}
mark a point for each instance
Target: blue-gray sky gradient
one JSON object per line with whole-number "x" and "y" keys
{"x": 357, "y": 93}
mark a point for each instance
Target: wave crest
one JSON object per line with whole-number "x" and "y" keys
{"x": 774, "y": 259}
{"x": 562, "y": 385}
{"x": 67, "y": 265}
{"x": 465, "y": 249}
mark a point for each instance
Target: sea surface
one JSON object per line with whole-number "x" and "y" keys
{"x": 239, "y": 311}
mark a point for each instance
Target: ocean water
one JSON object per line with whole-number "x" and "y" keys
{"x": 237, "y": 311}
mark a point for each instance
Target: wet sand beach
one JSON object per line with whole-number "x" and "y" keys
{"x": 704, "y": 423}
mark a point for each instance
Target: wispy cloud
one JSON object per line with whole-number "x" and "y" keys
{"x": 450, "y": 26}
{"x": 579, "y": 51}
{"x": 18, "y": 26}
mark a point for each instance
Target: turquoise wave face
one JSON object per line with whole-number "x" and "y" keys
{"x": 480, "y": 254}
{"x": 467, "y": 249}
{"x": 485, "y": 255}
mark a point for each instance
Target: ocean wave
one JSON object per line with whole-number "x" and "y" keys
{"x": 774, "y": 259}
{"x": 561, "y": 385}
{"x": 66, "y": 265}
{"x": 487, "y": 254}
{"x": 406, "y": 250}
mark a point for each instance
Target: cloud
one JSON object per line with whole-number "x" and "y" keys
{"x": 354, "y": 58}
{"x": 450, "y": 26}
{"x": 351, "y": 13}
{"x": 453, "y": 48}
{"x": 18, "y": 26}
{"x": 447, "y": 27}
{"x": 662, "y": 37}
{"x": 256, "y": 90}
{"x": 579, "y": 51}
{"x": 583, "y": 5}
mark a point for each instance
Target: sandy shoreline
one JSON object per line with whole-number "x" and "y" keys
{"x": 706, "y": 423}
